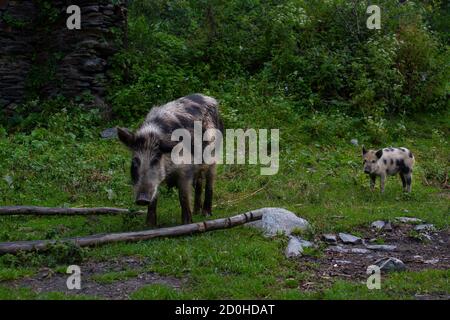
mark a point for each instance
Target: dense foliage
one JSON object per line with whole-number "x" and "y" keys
{"x": 319, "y": 54}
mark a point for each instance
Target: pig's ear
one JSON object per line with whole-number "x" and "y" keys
{"x": 364, "y": 151}
{"x": 379, "y": 153}
{"x": 167, "y": 146}
{"x": 126, "y": 136}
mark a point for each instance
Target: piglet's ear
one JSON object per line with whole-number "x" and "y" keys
{"x": 379, "y": 153}
{"x": 364, "y": 151}
{"x": 126, "y": 136}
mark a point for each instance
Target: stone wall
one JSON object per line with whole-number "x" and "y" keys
{"x": 41, "y": 57}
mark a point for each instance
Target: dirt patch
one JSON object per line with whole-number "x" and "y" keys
{"x": 417, "y": 251}
{"x": 48, "y": 281}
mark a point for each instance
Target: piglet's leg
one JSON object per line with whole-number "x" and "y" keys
{"x": 402, "y": 176}
{"x": 382, "y": 181}
{"x": 408, "y": 178}
{"x": 373, "y": 179}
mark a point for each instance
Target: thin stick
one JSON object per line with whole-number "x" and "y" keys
{"x": 99, "y": 239}
{"x": 45, "y": 211}
{"x": 232, "y": 201}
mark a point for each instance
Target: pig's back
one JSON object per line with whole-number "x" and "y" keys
{"x": 183, "y": 112}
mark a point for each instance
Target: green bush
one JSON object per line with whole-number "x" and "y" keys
{"x": 319, "y": 54}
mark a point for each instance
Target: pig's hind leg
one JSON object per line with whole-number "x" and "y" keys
{"x": 209, "y": 186}
{"x": 198, "y": 186}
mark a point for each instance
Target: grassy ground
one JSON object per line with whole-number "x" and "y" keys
{"x": 65, "y": 163}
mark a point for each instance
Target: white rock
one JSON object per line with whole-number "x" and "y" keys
{"x": 425, "y": 227}
{"x": 296, "y": 246}
{"x": 408, "y": 220}
{"x": 279, "y": 220}
{"x": 348, "y": 238}
{"x": 354, "y": 142}
{"x": 379, "y": 224}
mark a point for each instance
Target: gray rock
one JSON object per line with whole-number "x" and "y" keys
{"x": 94, "y": 65}
{"x": 329, "y": 238}
{"x": 279, "y": 220}
{"x": 425, "y": 228}
{"x": 348, "y": 238}
{"x": 408, "y": 220}
{"x": 381, "y": 247}
{"x": 390, "y": 264}
{"x": 431, "y": 261}
{"x": 354, "y": 142}
{"x": 296, "y": 246}
{"x": 379, "y": 224}
{"x": 338, "y": 249}
{"x": 109, "y": 133}
{"x": 387, "y": 226}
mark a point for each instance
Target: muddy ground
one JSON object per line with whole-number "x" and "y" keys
{"x": 48, "y": 281}
{"x": 418, "y": 252}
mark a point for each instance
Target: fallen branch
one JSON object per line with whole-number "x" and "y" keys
{"x": 99, "y": 239}
{"x": 44, "y": 211}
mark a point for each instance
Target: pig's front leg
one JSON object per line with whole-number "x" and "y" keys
{"x": 151, "y": 213}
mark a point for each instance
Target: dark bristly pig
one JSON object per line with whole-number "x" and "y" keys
{"x": 151, "y": 146}
{"x": 387, "y": 162}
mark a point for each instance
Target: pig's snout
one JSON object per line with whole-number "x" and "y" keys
{"x": 366, "y": 170}
{"x": 142, "y": 199}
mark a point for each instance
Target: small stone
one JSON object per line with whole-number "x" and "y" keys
{"x": 381, "y": 247}
{"x": 390, "y": 264}
{"x": 387, "y": 226}
{"x": 329, "y": 238}
{"x": 359, "y": 250}
{"x": 348, "y": 238}
{"x": 342, "y": 261}
{"x": 431, "y": 261}
{"x": 296, "y": 246}
{"x": 425, "y": 228}
{"x": 354, "y": 142}
{"x": 408, "y": 220}
{"x": 109, "y": 133}
{"x": 379, "y": 224}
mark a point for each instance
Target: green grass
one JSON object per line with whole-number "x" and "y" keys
{"x": 66, "y": 164}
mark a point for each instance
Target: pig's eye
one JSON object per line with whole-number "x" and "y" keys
{"x": 135, "y": 162}
{"x": 154, "y": 161}
{"x": 373, "y": 161}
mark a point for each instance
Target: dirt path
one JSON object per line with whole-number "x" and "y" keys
{"x": 48, "y": 281}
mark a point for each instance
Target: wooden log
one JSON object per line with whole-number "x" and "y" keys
{"x": 45, "y": 211}
{"x": 99, "y": 239}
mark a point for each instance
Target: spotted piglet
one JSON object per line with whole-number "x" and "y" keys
{"x": 388, "y": 162}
